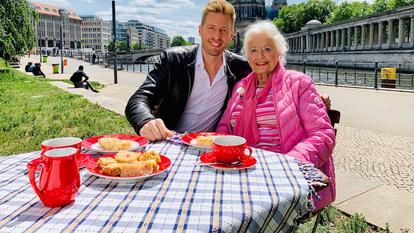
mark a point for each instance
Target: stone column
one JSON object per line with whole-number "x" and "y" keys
{"x": 371, "y": 36}
{"x": 412, "y": 32}
{"x": 318, "y": 42}
{"x": 362, "y": 36}
{"x": 322, "y": 41}
{"x": 349, "y": 38}
{"x": 327, "y": 40}
{"x": 356, "y": 37}
{"x": 332, "y": 40}
{"x": 337, "y": 46}
{"x": 390, "y": 35}
{"x": 380, "y": 34}
{"x": 400, "y": 32}
{"x": 343, "y": 38}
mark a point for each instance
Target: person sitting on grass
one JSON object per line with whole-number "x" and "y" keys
{"x": 36, "y": 71}
{"x": 76, "y": 78}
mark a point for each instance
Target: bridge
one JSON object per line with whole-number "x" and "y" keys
{"x": 137, "y": 56}
{"x": 387, "y": 38}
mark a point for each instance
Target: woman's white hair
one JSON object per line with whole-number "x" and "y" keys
{"x": 268, "y": 28}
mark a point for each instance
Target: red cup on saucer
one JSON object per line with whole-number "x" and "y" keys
{"x": 229, "y": 148}
{"x": 63, "y": 142}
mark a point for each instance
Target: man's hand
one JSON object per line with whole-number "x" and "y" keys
{"x": 327, "y": 101}
{"x": 155, "y": 130}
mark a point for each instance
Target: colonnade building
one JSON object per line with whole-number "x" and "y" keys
{"x": 388, "y": 34}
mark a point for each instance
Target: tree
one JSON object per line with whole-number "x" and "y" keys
{"x": 16, "y": 30}
{"x": 392, "y": 4}
{"x": 135, "y": 46}
{"x": 120, "y": 46}
{"x": 378, "y": 6}
{"x": 178, "y": 41}
{"x": 292, "y": 17}
{"x": 349, "y": 10}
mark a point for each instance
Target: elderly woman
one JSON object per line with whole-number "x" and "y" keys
{"x": 280, "y": 110}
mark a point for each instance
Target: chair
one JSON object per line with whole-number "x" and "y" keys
{"x": 334, "y": 116}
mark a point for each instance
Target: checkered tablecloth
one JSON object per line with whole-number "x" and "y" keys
{"x": 266, "y": 198}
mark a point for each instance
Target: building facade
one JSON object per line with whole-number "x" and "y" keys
{"x": 249, "y": 11}
{"x": 384, "y": 37}
{"x": 96, "y": 33}
{"x": 48, "y": 27}
{"x": 149, "y": 37}
{"x": 191, "y": 40}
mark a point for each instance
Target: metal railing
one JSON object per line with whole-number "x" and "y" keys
{"x": 348, "y": 74}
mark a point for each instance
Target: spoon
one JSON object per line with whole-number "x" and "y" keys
{"x": 232, "y": 164}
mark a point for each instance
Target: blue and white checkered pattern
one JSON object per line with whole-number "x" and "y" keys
{"x": 188, "y": 197}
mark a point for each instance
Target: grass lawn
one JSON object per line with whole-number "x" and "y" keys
{"x": 32, "y": 110}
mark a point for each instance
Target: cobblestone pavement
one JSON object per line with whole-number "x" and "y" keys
{"x": 378, "y": 156}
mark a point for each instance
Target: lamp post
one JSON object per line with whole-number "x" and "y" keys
{"x": 62, "y": 13}
{"x": 114, "y": 36}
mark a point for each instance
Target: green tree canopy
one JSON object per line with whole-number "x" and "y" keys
{"x": 378, "y": 6}
{"x": 292, "y": 17}
{"x": 120, "y": 45}
{"x": 17, "y": 35}
{"x": 349, "y": 10}
{"x": 178, "y": 41}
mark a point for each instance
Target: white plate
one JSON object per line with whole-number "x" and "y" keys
{"x": 98, "y": 148}
{"x": 126, "y": 179}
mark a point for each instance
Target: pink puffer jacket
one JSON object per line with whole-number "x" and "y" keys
{"x": 305, "y": 129}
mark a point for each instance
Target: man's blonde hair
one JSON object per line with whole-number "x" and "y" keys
{"x": 219, "y": 6}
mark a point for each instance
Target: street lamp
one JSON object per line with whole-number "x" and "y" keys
{"x": 62, "y": 13}
{"x": 114, "y": 40}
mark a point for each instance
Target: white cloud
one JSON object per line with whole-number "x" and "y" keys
{"x": 58, "y": 3}
{"x": 88, "y": 1}
{"x": 154, "y": 12}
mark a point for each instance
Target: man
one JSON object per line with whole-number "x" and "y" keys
{"x": 76, "y": 78}
{"x": 190, "y": 86}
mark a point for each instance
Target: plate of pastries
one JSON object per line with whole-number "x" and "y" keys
{"x": 128, "y": 166}
{"x": 200, "y": 140}
{"x": 114, "y": 143}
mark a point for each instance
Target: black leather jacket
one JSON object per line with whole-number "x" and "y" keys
{"x": 165, "y": 92}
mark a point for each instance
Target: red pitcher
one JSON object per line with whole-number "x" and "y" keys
{"x": 59, "y": 179}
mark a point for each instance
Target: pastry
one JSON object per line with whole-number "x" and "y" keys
{"x": 137, "y": 168}
{"x": 130, "y": 164}
{"x": 109, "y": 143}
{"x": 149, "y": 155}
{"x": 102, "y": 162}
{"x": 112, "y": 169}
{"x": 125, "y": 156}
{"x": 204, "y": 140}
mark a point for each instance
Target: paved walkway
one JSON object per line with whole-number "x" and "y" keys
{"x": 373, "y": 155}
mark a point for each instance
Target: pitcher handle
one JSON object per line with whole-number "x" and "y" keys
{"x": 32, "y": 166}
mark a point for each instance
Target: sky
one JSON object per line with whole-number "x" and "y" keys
{"x": 176, "y": 17}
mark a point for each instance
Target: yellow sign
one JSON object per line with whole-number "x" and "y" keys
{"x": 389, "y": 73}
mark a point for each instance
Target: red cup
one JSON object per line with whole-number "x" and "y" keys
{"x": 59, "y": 178}
{"x": 229, "y": 149}
{"x": 64, "y": 142}
{"x": 56, "y": 143}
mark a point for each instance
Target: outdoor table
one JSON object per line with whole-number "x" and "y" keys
{"x": 187, "y": 197}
